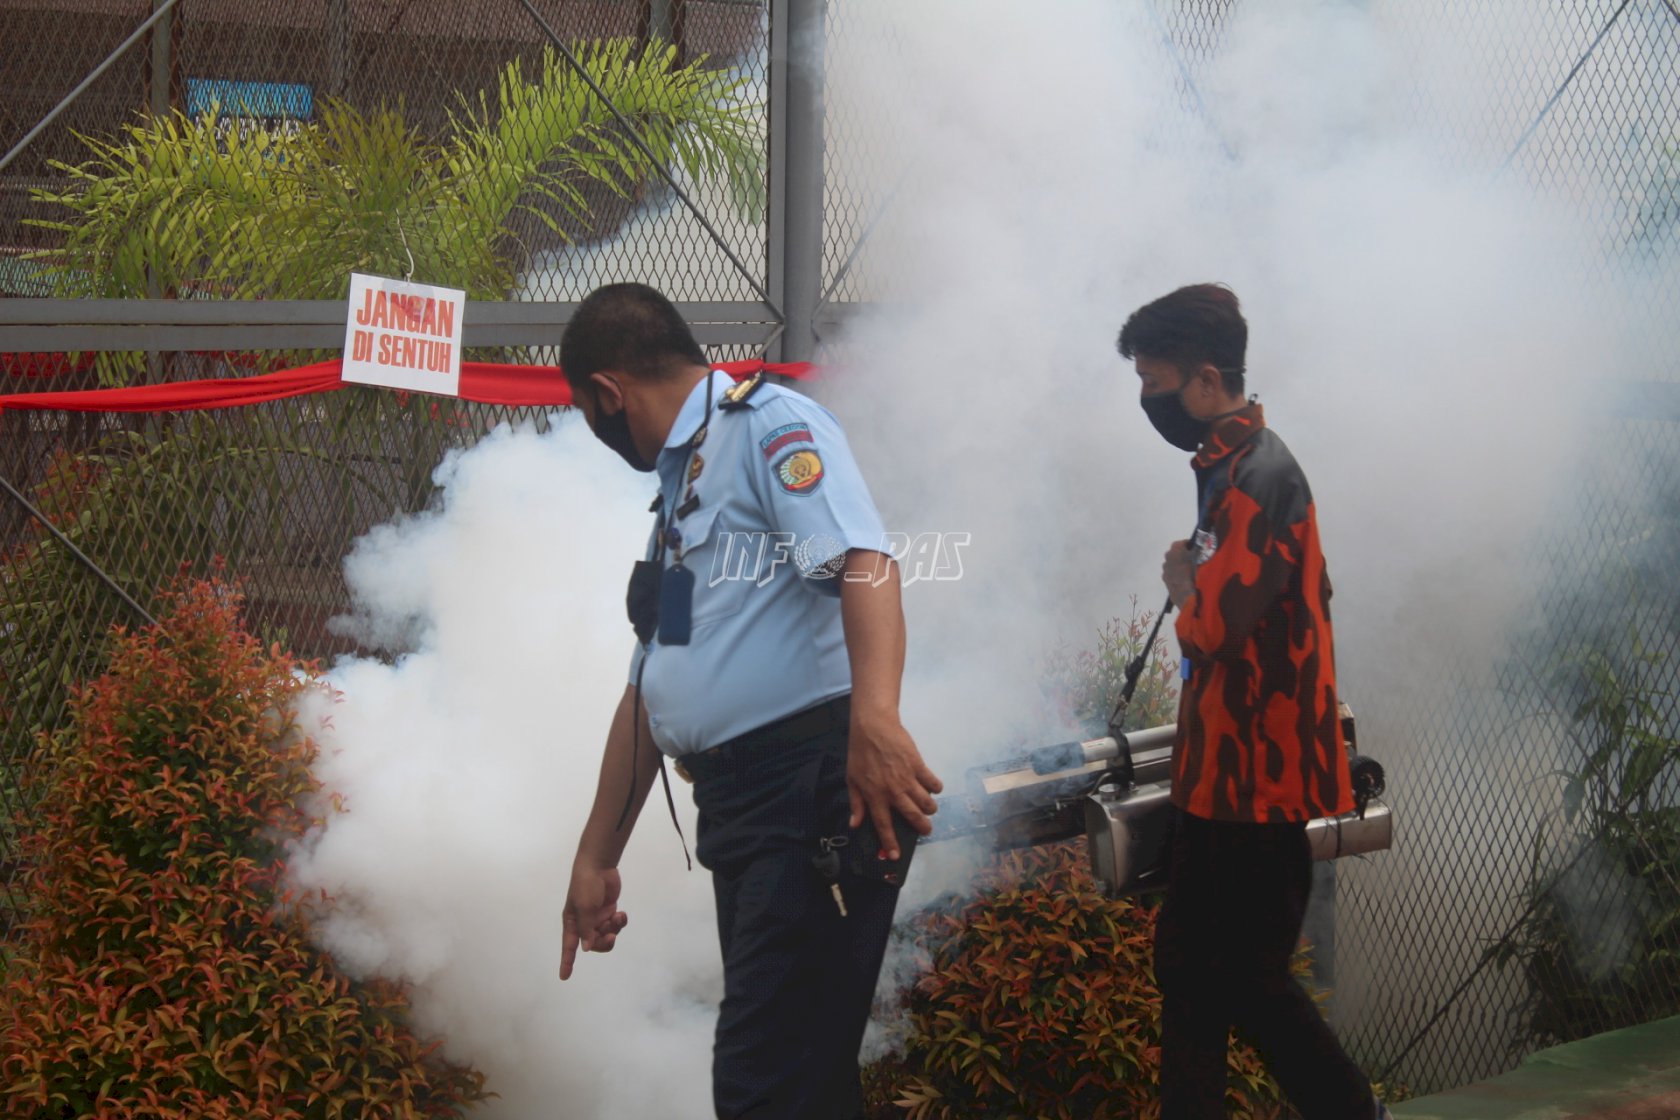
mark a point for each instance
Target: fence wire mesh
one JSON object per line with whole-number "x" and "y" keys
{"x": 1513, "y": 912}
{"x": 272, "y": 496}
{"x": 1466, "y": 946}
{"x": 1531, "y": 897}
{"x": 474, "y": 149}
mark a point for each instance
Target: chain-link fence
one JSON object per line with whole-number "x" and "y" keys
{"x": 1531, "y": 896}
{"x": 525, "y": 153}
{"x": 475, "y": 150}
{"x": 1456, "y": 952}
{"x": 274, "y": 66}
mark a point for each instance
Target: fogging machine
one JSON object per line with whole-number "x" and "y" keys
{"x": 1115, "y": 791}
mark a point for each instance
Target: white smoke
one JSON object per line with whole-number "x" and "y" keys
{"x": 1419, "y": 326}
{"x": 466, "y": 770}
{"x": 1420, "y": 331}
{"x": 1426, "y": 331}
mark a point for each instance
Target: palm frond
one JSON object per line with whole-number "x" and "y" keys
{"x": 178, "y": 206}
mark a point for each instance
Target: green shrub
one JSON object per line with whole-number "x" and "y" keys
{"x": 1599, "y": 941}
{"x": 1038, "y": 994}
{"x": 1039, "y": 1000}
{"x": 188, "y": 493}
{"x": 160, "y": 971}
{"x": 1085, "y": 684}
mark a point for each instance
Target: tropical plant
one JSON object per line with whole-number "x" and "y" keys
{"x": 1599, "y": 939}
{"x": 143, "y": 506}
{"x": 160, "y": 971}
{"x": 185, "y": 206}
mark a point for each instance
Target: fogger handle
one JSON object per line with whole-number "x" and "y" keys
{"x": 1135, "y": 670}
{"x": 1074, "y": 755}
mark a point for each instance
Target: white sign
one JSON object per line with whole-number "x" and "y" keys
{"x": 404, "y": 335}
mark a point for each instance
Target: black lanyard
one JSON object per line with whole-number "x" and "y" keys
{"x": 665, "y": 532}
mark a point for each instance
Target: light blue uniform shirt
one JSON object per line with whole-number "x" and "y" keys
{"x": 781, "y": 500}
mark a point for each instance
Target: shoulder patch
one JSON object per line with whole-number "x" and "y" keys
{"x": 783, "y": 436}
{"x": 801, "y": 471}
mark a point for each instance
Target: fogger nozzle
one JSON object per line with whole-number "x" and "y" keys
{"x": 1071, "y": 756}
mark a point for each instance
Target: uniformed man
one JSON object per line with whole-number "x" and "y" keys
{"x": 768, "y": 662}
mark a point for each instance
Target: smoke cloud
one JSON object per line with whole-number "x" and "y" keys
{"x": 1433, "y": 334}
{"x": 1419, "y": 325}
{"x": 1424, "y": 331}
{"x": 466, "y": 769}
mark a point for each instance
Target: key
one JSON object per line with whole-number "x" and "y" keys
{"x": 827, "y": 863}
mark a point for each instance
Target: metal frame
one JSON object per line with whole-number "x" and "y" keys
{"x": 141, "y": 324}
{"x": 162, "y": 9}
{"x": 786, "y": 324}
{"x": 797, "y": 44}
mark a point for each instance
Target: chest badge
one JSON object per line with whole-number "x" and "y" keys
{"x": 695, "y": 467}
{"x": 1206, "y": 543}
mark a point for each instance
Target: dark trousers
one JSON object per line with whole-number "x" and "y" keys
{"x": 798, "y": 977}
{"x": 1227, "y": 931}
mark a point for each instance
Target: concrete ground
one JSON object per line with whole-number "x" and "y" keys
{"x": 1631, "y": 1074}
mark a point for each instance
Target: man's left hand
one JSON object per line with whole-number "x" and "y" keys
{"x": 885, "y": 774}
{"x": 1178, "y": 572}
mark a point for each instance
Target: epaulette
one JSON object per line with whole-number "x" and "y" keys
{"x": 738, "y": 394}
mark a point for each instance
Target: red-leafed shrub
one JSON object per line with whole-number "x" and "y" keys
{"x": 1039, "y": 1000}
{"x": 160, "y": 972}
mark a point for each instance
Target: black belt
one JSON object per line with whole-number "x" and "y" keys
{"x": 737, "y": 754}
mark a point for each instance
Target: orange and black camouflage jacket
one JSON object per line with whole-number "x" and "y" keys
{"x": 1258, "y": 733}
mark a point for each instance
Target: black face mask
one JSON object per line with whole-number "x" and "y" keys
{"x": 1167, "y": 412}
{"x": 614, "y": 431}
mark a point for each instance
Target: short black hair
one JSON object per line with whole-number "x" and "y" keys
{"x": 629, "y": 327}
{"x": 1195, "y": 324}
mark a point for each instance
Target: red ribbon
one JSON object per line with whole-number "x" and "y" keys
{"x": 483, "y": 382}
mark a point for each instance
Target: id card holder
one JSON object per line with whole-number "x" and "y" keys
{"x": 641, "y": 600}
{"x": 676, "y": 605}
{"x": 1203, "y": 544}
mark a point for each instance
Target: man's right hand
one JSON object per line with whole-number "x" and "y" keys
{"x": 592, "y": 917}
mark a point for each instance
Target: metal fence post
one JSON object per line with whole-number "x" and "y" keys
{"x": 338, "y": 48}
{"x": 164, "y": 90}
{"x": 157, "y": 71}
{"x": 796, "y": 170}
{"x": 163, "y": 76}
